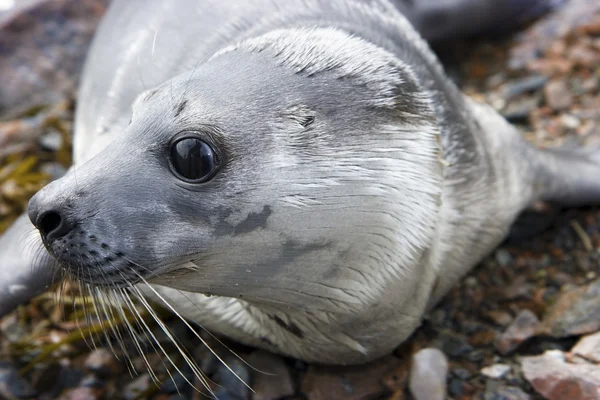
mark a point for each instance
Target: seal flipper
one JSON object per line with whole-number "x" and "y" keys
{"x": 568, "y": 177}
{"x": 25, "y": 267}
{"x": 450, "y": 19}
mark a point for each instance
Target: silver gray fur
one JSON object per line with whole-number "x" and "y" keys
{"x": 359, "y": 184}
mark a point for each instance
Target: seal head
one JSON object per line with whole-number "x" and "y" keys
{"x": 284, "y": 145}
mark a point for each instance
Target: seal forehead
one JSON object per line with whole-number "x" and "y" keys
{"x": 313, "y": 51}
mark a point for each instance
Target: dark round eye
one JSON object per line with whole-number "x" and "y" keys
{"x": 193, "y": 159}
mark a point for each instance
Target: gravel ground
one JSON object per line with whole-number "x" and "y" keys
{"x": 524, "y": 324}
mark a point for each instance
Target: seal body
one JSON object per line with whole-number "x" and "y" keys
{"x": 349, "y": 184}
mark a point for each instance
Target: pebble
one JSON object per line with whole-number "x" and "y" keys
{"x": 555, "y": 379}
{"x": 51, "y": 141}
{"x": 46, "y": 378}
{"x": 575, "y": 312}
{"x": 523, "y": 85}
{"x": 558, "y": 96}
{"x": 136, "y": 387}
{"x": 43, "y": 49}
{"x": 348, "y": 383}
{"x": 455, "y": 387}
{"x": 428, "y": 375}
{"x": 496, "y": 371}
{"x": 499, "y": 317}
{"x": 588, "y": 347}
{"x": 522, "y": 328}
{"x": 503, "y": 257}
{"x": 235, "y": 386}
{"x": 570, "y": 121}
{"x": 504, "y": 392}
{"x": 178, "y": 383}
{"x": 83, "y": 393}
{"x": 12, "y": 384}
{"x": 271, "y": 377}
{"x": 455, "y": 345}
{"x": 102, "y": 362}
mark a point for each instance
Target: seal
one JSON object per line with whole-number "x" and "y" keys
{"x": 301, "y": 177}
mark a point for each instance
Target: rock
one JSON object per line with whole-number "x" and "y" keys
{"x": 584, "y": 55}
{"x": 503, "y": 392}
{"x": 271, "y": 377}
{"x": 221, "y": 393}
{"x": 102, "y": 362}
{"x": 588, "y": 347}
{"x": 570, "y": 121}
{"x": 51, "y": 141}
{"x": 428, "y": 375}
{"x": 499, "y": 317}
{"x": 397, "y": 378}
{"x": 137, "y": 387}
{"x": 83, "y": 393}
{"x": 522, "y": 328}
{"x": 235, "y": 386}
{"x": 540, "y": 36}
{"x": 178, "y": 383}
{"x": 555, "y": 379}
{"x": 576, "y": 312}
{"x": 558, "y": 96}
{"x": 503, "y": 257}
{"x": 528, "y": 84}
{"x": 348, "y": 383}
{"x": 43, "y": 47}
{"x": 10, "y": 327}
{"x": 496, "y": 371}
{"x": 455, "y": 387}
{"x": 455, "y": 345}
{"x": 12, "y": 384}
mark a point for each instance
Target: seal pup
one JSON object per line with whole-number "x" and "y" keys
{"x": 433, "y": 20}
{"x": 301, "y": 176}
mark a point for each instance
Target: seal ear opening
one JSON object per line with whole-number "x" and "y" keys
{"x": 301, "y": 114}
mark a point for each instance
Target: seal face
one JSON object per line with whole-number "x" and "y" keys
{"x": 308, "y": 186}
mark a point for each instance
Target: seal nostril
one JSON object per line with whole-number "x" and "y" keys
{"x": 52, "y": 224}
{"x": 48, "y": 222}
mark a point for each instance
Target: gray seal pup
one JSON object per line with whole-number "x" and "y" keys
{"x": 299, "y": 176}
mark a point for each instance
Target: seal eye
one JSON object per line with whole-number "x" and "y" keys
{"x": 193, "y": 159}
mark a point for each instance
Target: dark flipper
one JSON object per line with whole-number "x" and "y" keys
{"x": 438, "y": 20}
{"x": 568, "y": 177}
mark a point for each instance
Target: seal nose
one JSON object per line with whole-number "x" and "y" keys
{"x": 50, "y": 221}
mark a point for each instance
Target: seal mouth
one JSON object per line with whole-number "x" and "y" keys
{"x": 85, "y": 258}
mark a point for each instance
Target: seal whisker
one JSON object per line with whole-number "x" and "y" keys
{"x": 191, "y": 363}
{"x": 170, "y": 307}
{"x": 110, "y": 317}
{"x": 200, "y": 325}
{"x": 95, "y": 301}
{"x": 129, "y": 304}
{"x": 154, "y": 44}
{"x": 117, "y": 303}
{"x": 236, "y": 355}
{"x": 86, "y": 307}
{"x": 125, "y": 300}
{"x": 134, "y": 336}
